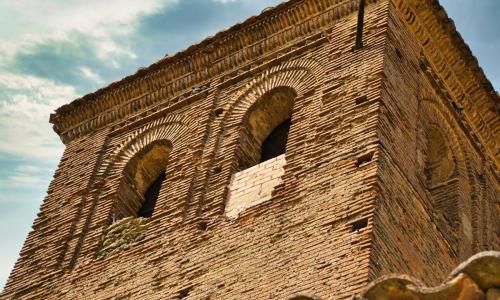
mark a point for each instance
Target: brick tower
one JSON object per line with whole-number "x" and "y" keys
{"x": 275, "y": 160}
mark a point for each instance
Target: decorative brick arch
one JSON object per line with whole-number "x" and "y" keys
{"x": 435, "y": 114}
{"x": 169, "y": 132}
{"x": 302, "y": 76}
{"x": 472, "y": 187}
{"x": 170, "y": 128}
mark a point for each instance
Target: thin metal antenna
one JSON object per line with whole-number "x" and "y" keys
{"x": 359, "y": 33}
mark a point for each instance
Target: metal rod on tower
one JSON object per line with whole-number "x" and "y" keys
{"x": 359, "y": 33}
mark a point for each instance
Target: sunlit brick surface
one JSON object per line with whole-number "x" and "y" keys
{"x": 254, "y": 185}
{"x": 356, "y": 199}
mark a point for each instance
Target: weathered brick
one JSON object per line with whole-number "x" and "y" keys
{"x": 363, "y": 190}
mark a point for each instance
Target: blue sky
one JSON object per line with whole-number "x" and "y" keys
{"x": 54, "y": 51}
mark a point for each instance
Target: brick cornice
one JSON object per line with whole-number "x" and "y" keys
{"x": 476, "y": 101}
{"x": 242, "y": 44}
{"x": 248, "y": 43}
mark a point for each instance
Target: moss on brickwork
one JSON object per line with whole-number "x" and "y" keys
{"x": 122, "y": 234}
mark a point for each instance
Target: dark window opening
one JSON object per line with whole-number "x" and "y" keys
{"x": 361, "y": 100}
{"x": 275, "y": 144}
{"x": 203, "y": 225}
{"x": 184, "y": 293}
{"x": 364, "y": 159}
{"x": 359, "y": 224}
{"x": 150, "y": 197}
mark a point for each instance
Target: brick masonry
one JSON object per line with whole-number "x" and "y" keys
{"x": 254, "y": 185}
{"x": 354, "y": 202}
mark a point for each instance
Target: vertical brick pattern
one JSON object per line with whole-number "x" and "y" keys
{"x": 254, "y": 185}
{"x": 410, "y": 236}
{"x": 47, "y": 244}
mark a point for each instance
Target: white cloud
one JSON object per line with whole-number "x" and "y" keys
{"x": 26, "y": 101}
{"x": 29, "y": 22}
{"x": 24, "y": 180}
{"x": 25, "y": 105}
{"x": 87, "y": 72}
{"x": 29, "y": 169}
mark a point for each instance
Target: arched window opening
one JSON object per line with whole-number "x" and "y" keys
{"x": 141, "y": 181}
{"x": 261, "y": 149}
{"x": 442, "y": 184}
{"x": 440, "y": 164}
{"x": 150, "y": 198}
{"x": 275, "y": 144}
{"x": 265, "y": 128}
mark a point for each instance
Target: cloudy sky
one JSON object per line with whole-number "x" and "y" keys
{"x": 54, "y": 51}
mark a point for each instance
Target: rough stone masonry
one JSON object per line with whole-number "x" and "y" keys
{"x": 274, "y": 161}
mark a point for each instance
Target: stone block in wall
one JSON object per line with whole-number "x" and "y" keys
{"x": 254, "y": 185}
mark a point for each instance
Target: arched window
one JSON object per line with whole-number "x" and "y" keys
{"x": 266, "y": 125}
{"x": 440, "y": 165}
{"x": 442, "y": 183}
{"x": 262, "y": 145}
{"x": 141, "y": 181}
{"x": 275, "y": 144}
{"x": 150, "y": 197}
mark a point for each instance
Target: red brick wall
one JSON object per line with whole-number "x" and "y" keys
{"x": 408, "y": 236}
{"x": 44, "y": 250}
{"x": 351, "y": 205}
{"x": 303, "y": 240}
